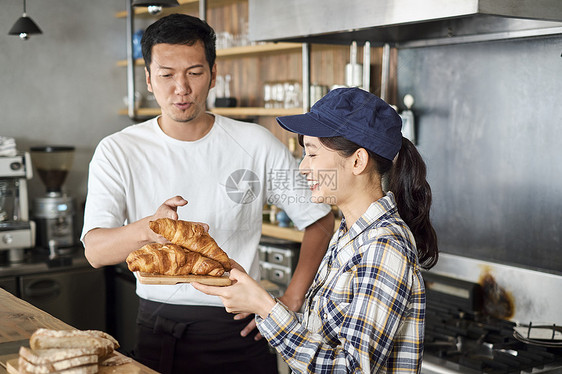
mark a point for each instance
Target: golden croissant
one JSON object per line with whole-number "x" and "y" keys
{"x": 171, "y": 259}
{"x": 191, "y": 236}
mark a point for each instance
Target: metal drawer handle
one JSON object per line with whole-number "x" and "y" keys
{"x": 278, "y": 274}
{"x": 36, "y": 289}
{"x": 278, "y": 257}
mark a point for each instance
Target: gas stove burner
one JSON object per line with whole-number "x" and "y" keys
{"x": 462, "y": 337}
{"x": 543, "y": 335}
{"x": 482, "y": 343}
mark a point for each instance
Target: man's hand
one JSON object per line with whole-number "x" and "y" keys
{"x": 101, "y": 243}
{"x": 169, "y": 209}
{"x": 249, "y": 327}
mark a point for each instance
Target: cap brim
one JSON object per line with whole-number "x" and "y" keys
{"x": 306, "y": 124}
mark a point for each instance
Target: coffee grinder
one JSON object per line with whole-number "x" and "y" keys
{"x": 17, "y": 232}
{"x": 55, "y": 212}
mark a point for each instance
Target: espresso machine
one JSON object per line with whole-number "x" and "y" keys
{"x": 17, "y": 232}
{"x": 55, "y": 212}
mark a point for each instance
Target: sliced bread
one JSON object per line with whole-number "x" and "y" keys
{"x": 29, "y": 368}
{"x": 57, "y": 366}
{"x": 47, "y": 356}
{"x": 102, "y": 343}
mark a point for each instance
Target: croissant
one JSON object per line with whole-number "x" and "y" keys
{"x": 171, "y": 259}
{"x": 191, "y": 236}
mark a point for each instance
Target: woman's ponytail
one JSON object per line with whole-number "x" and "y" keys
{"x": 407, "y": 180}
{"x": 411, "y": 191}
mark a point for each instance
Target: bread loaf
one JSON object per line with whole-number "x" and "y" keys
{"x": 60, "y": 365}
{"x": 171, "y": 259}
{"x": 103, "y": 344}
{"x": 192, "y": 236}
{"x": 68, "y": 352}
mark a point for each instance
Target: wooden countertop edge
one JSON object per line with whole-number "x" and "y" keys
{"x": 14, "y": 307}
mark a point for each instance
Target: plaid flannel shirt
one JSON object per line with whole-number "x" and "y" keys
{"x": 365, "y": 310}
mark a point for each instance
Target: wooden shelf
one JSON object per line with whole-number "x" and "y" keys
{"x": 185, "y": 6}
{"x": 287, "y": 233}
{"x": 258, "y": 49}
{"x": 123, "y": 63}
{"x": 257, "y": 111}
{"x": 144, "y": 11}
{"x": 233, "y": 112}
{"x": 247, "y": 50}
{"x": 143, "y": 112}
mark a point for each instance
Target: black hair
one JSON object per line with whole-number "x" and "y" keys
{"x": 179, "y": 29}
{"x": 407, "y": 180}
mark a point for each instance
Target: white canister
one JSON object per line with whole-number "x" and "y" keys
{"x": 353, "y": 75}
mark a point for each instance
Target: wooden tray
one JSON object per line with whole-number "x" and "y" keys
{"x": 146, "y": 278}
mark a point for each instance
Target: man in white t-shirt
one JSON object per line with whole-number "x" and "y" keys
{"x": 227, "y": 170}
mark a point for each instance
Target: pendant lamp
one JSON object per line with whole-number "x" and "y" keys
{"x": 155, "y": 6}
{"x": 24, "y": 26}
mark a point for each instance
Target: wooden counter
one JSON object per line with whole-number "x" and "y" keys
{"x": 19, "y": 319}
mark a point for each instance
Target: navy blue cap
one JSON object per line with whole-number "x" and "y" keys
{"x": 356, "y": 115}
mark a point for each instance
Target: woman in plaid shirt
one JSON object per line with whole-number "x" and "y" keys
{"x": 365, "y": 310}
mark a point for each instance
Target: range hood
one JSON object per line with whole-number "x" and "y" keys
{"x": 402, "y": 23}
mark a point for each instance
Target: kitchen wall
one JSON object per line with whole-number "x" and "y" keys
{"x": 489, "y": 119}
{"x": 63, "y": 87}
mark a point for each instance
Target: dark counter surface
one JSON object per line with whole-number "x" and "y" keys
{"x": 37, "y": 261}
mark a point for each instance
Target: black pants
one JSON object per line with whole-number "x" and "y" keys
{"x": 198, "y": 339}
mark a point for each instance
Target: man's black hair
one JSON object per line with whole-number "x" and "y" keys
{"x": 179, "y": 29}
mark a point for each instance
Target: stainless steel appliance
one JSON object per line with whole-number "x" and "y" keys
{"x": 9, "y": 284}
{"x": 55, "y": 212}
{"x": 17, "y": 232}
{"x": 76, "y": 296}
{"x": 278, "y": 260}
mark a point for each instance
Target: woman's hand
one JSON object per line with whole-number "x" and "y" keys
{"x": 245, "y": 295}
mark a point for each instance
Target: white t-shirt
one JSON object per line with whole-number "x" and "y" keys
{"x": 226, "y": 176}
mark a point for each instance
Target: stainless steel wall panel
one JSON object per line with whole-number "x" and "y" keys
{"x": 489, "y": 124}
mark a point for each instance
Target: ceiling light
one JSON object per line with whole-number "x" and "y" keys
{"x": 24, "y": 26}
{"x": 155, "y": 6}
